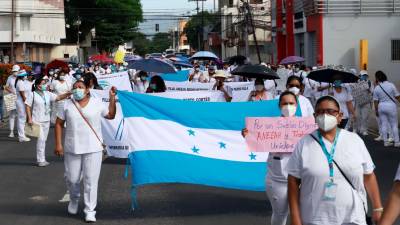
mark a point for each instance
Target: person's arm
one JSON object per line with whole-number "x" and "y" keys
{"x": 112, "y": 107}
{"x": 29, "y": 114}
{"x": 63, "y": 96}
{"x": 294, "y": 199}
{"x": 371, "y": 185}
{"x": 350, "y": 107}
{"x": 376, "y": 104}
{"x": 392, "y": 207}
{"x": 58, "y": 130}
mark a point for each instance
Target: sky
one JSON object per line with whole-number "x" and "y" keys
{"x": 159, "y": 12}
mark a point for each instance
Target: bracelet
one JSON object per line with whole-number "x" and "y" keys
{"x": 378, "y": 210}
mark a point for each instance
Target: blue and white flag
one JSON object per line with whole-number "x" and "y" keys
{"x": 175, "y": 141}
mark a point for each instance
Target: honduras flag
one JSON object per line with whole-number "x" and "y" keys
{"x": 175, "y": 141}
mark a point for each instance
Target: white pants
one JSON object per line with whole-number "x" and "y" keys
{"x": 362, "y": 117}
{"x": 21, "y": 119}
{"x": 89, "y": 165}
{"x": 12, "y": 115}
{"x": 277, "y": 195}
{"x": 41, "y": 141}
{"x": 389, "y": 121}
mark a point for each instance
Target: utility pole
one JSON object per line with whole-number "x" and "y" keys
{"x": 202, "y": 25}
{"x": 254, "y": 30}
{"x": 12, "y": 60}
{"x": 198, "y": 33}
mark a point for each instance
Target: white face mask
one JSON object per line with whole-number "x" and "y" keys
{"x": 62, "y": 77}
{"x": 326, "y": 122}
{"x": 294, "y": 90}
{"x": 288, "y": 110}
{"x": 259, "y": 87}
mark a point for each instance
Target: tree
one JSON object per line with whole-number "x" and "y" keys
{"x": 141, "y": 44}
{"x": 160, "y": 42}
{"x": 115, "y": 21}
{"x": 193, "y": 28}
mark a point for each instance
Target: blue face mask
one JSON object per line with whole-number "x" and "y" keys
{"x": 364, "y": 78}
{"x": 78, "y": 94}
{"x": 43, "y": 87}
{"x": 337, "y": 83}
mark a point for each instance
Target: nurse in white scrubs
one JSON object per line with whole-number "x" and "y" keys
{"x": 38, "y": 112}
{"x": 83, "y": 145}
{"x": 295, "y": 85}
{"x": 392, "y": 209}
{"x": 61, "y": 85}
{"x": 345, "y": 99}
{"x": 276, "y": 179}
{"x": 318, "y": 191}
{"x": 21, "y": 89}
{"x": 10, "y": 88}
{"x": 386, "y": 97}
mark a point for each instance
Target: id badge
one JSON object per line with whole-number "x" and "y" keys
{"x": 330, "y": 190}
{"x": 48, "y": 111}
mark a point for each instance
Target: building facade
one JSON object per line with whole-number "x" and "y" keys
{"x": 237, "y": 29}
{"x": 328, "y": 32}
{"x": 34, "y": 26}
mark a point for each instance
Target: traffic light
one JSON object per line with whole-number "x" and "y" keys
{"x": 157, "y": 27}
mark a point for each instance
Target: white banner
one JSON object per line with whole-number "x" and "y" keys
{"x": 119, "y": 80}
{"x": 197, "y": 96}
{"x": 188, "y": 86}
{"x": 240, "y": 90}
{"x": 114, "y": 132}
{"x": 361, "y": 93}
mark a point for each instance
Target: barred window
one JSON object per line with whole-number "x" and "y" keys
{"x": 395, "y": 50}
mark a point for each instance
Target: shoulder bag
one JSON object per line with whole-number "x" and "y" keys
{"x": 87, "y": 122}
{"x": 368, "y": 219}
{"x": 394, "y": 101}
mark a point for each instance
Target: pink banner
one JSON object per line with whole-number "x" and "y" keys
{"x": 277, "y": 134}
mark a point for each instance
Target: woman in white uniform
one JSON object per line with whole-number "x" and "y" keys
{"x": 330, "y": 174}
{"x": 392, "y": 209}
{"x": 260, "y": 93}
{"x": 385, "y": 99}
{"x": 345, "y": 100}
{"x": 38, "y": 111}
{"x": 140, "y": 82}
{"x": 276, "y": 179}
{"x": 21, "y": 90}
{"x": 10, "y": 88}
{"x": 295, "y": 85}
{"x": 83, "y": 144}
{"x": 60, "y": 86}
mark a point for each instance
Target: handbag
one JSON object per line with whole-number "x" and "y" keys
{"x": 368, "y": 219}
{"x": 87, "y": 122}
{"x": 10, "y": 102}
{"x": 34, "y": 129}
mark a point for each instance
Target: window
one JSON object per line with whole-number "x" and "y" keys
{"x": 5, "y": 23}
{"x": 396, "y": 50}
{"x": 230, "y": 4}
{"x": 25, "y": 22}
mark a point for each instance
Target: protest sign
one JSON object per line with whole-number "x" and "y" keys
{"x": 361, "y": 93}
{"x": 281, "y": 134}
{"x": 119, "y": 80}
{"x": 196, "y": 96}
{"x": 188, "y": 86}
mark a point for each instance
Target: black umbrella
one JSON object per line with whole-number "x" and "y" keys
{"x": 255, "y": 71}
{"x": 238, "y": 59}
{"x": 330, "y": 75}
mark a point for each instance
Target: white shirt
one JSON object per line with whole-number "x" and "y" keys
{"x": 11, "y": 83}
{"x": 41, "y": 105}
{"x": 199, "y": 77}
{"x": 343, "y": 97}
{"x": 310, "y": 86}
{"x": 306, "y": 107}
{"x": 21, "y": 86}
{"x": 141, "y": 87}
{"x": 61, "y": 88}
{"x": 309, "y": 164}
{"x": 79, "y": 138}
{"x": 381, "y": 96}
{"x": 397, "y": 178}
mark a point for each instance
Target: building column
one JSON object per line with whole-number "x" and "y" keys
{"x": 280, "y": 37}
{"x": 290, "y": 27}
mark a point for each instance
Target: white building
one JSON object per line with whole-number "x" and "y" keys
{"x": 235, "y": 39}
{"x": 38, "y": 26}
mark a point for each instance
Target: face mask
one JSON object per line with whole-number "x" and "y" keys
{"x": 294, "y": 90}
{"x": 196, "y": 69}
{"x": 288, "y": 110}
{"x": 326, "y": 122}
{"x": 337, "y": 83}
{"x": 77, "y": 77}
{"x": 78, "y": 94}
{"x": 43, "y": 87}
{"x": 51, "y": 73}
{"x": 153, "y": 86}
{"x": 25, "y": 78}
{"x": 143, "y": 78}
{"x": 259, "y": 87}
{"x": 364, "y": 78}
{"x": 62, "y": 77}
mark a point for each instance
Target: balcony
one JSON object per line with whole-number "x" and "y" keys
{"x": 368, "y": 7}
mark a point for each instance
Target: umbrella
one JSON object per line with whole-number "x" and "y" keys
{"x": 151, "y": 65}
{"x": 101, "y": 58}
{"x": 131, "y": 58}
{"x": 204, "y": 55}
{"x": 292, "y": 60}
{"x": 238, "y": 59}
{"x": 330, "y": 75}
{"x": 183, "y": 64}
{"x": 255, "y": 71}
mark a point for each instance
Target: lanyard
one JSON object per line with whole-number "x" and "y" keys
{"x": 44, "y": 98}
{"x": 329, "y": 155}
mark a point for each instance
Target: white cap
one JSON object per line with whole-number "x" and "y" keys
{"x": 363, "y": 72}
{"x": 45, "y": 77}
{"x": 314, "y": 68}
{"x": 220, "y": 73}
{"x": 15, "y": 68}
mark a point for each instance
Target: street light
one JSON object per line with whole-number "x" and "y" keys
{"x": 78, "y": 23}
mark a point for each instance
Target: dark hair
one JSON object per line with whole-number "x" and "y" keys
{"x": 81, "y": 81}
{"x": 259, "y": 81}
{"x": 285, "y": 93}
{"x": 327, "y": 98}
{"x": 160, "y": 84}
{"x": 303, "y": 67}
{"x": 36, "y": 84}
{"x": 293, "y": 77}
{"x": 88, "y": 77}
{"x": 380, "y": 76}
{"x": 18, "y": 79}
{"x": 142, "y": 73}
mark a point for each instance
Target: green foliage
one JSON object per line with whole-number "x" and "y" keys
{"x": 160, "y": 42}
{"x": 193, "y": 28}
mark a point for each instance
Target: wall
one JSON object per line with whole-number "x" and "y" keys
{"x": 342, "y": 35}
{"x": 59, "y": 51}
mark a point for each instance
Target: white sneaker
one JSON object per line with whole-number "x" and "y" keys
{"x": 365, "y": 133}
{"x": 379, "y": 138}
{"x": 11, "y": 135}
{"x": 397, "y": 145}
{"x": 24, "y": 139}
{"x": 388, "y": 144}
{"x": 73, "y": 206}
{"x": 90, "y": 218}
{"x": 390, "y": 140}
{"x": 43, "y": 164}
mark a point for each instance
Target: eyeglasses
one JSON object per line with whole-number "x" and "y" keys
{"x": 332, "y": 112}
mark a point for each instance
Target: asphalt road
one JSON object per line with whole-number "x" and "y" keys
{"x": 30, "y": 195}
